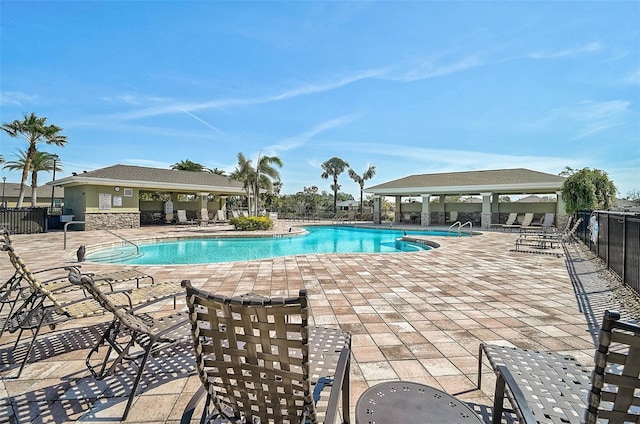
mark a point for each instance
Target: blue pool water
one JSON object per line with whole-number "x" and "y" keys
{"x": 211, "y": 250}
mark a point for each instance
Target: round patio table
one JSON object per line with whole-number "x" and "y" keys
{"x": 404, "y": 402}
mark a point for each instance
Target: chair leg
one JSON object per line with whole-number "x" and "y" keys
{"x": 30, "y": 348}
{"x": 192, "y": 405}
{"x": 480, "y": 367}
{"x": 346, "y": 418}
{"x": 498, "y": 400}
{"x": 105, "y": 337}
{"x": 137, "y": 381}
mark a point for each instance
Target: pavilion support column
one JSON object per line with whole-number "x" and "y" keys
{"x": 485, "y": 217}
{"x": 495, "y": 209}
{"x": 425, "y": 216}
{"x": 204, "y": 210}
{"x": 561, "y": 211}
{"x": 377, "y": 207}
{"x": 398, "y": 214}
{"x": 442, "y": 216}
{"x": 223, "y": 203}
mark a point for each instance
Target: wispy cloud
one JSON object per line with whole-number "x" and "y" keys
{"x": 16, "y": 98}
{"x": 303, "y": 138}
{"x": 599, "y": 116}
{"x": 590, "y": 48}
{"x": 447, "y": 160}
{"x": 302, "y": 90}
{"x": 633, "y": 77}
{"x": 428, "y": 69}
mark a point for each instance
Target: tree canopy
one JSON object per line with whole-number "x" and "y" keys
{"x": 361, "y": 179}
{"x": 42, "y": 161}
{"x": 587, "y": 189}
{"x": 333, "y": 168}
{"x": 187, "y": 165}
{"x": 33, "y": 130}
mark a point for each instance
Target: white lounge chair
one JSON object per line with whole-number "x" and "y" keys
{"x": 510, "y": 221}
{"x": 220, "y": 216}
{"x": 453, "y": 216}
{"x": 526, "y": 221}
{"x": 182, "y": 218}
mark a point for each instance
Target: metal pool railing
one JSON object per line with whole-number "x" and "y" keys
{"x": 460, "y": 226}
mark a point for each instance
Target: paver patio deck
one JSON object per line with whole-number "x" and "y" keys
{"x": 414, "y": 316}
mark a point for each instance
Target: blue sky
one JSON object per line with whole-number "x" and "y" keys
{"x": 410, "y": 87}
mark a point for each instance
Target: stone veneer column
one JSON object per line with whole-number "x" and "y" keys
{"x": 398, "y": 214}
{"x": 377, "y": 207}
{"x": 561, "y": 212}
{"x": 485, "y": 216}
{"x": 425, "y": 216}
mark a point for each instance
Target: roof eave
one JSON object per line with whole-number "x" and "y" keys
{"x": 469, "y": 189}
{"x": 151, "y": 185}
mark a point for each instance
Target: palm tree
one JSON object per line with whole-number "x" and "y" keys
{"x": 360, "y": 179}
{"x": 334, "y": 167}
{"x": 246, "y": 173}
{"x": 277, "y": 187}
{"x": 255, "y": 178}
{"x": 217, "y": 171}
{"x": 42, "y": 161}
{"x": 187, "y": 165}
{"x": 265, "y": 174}
{"x": 34, "y": 130}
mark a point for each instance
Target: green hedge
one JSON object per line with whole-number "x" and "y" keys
{"x": 251, "y": 223}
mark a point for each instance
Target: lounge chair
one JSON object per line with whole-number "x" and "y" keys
{"x": 554, "y": 388}
{"x": 453, "y": 216}
{"x": 511, "y": 220}
{"x": 220, "y": 216}
{"x": 182, "y": 218}
{"x": 545, "y": 226}
{"x": 526, "y": 222}
{"x": 258, "y": 359}
{"x": 546, "y": 240}
{"x": 131, "y": 336}
{"x": 42, "y": 307}
{"x": 16, "y": 290}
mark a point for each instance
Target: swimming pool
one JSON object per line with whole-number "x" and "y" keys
{"x": 320, "y": 239}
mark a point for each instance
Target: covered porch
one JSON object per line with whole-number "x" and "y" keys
{"x": 483, "y": 198}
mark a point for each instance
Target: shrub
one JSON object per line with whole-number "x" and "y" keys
{"x": 252, "y": 223}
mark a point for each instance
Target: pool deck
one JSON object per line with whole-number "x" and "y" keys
{"x": 416, "y": 316}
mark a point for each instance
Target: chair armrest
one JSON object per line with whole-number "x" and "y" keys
{"x": 525, "y": 413}
{"x": 340, "y": 383}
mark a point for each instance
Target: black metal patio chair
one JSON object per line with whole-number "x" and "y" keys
{"x": 547, "y": 387}
{"x": 260, "y": 361}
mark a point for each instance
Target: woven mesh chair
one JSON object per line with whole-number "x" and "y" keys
{"x": 543, "y": 241}
{"x": 131, "y": 337}
{"x": 17, "y": 290}
{"x": 547, "y": 387}
{"x": 44, "y": 307}
{"x": 259, "y": 361}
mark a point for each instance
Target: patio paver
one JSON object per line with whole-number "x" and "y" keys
{"x": 415, "y": 316}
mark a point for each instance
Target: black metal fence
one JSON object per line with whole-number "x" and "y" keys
{"x": 617, "y": 242}
{"x": 23, "y": 220}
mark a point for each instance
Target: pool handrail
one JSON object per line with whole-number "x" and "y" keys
{"x": 460, "y": 225}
